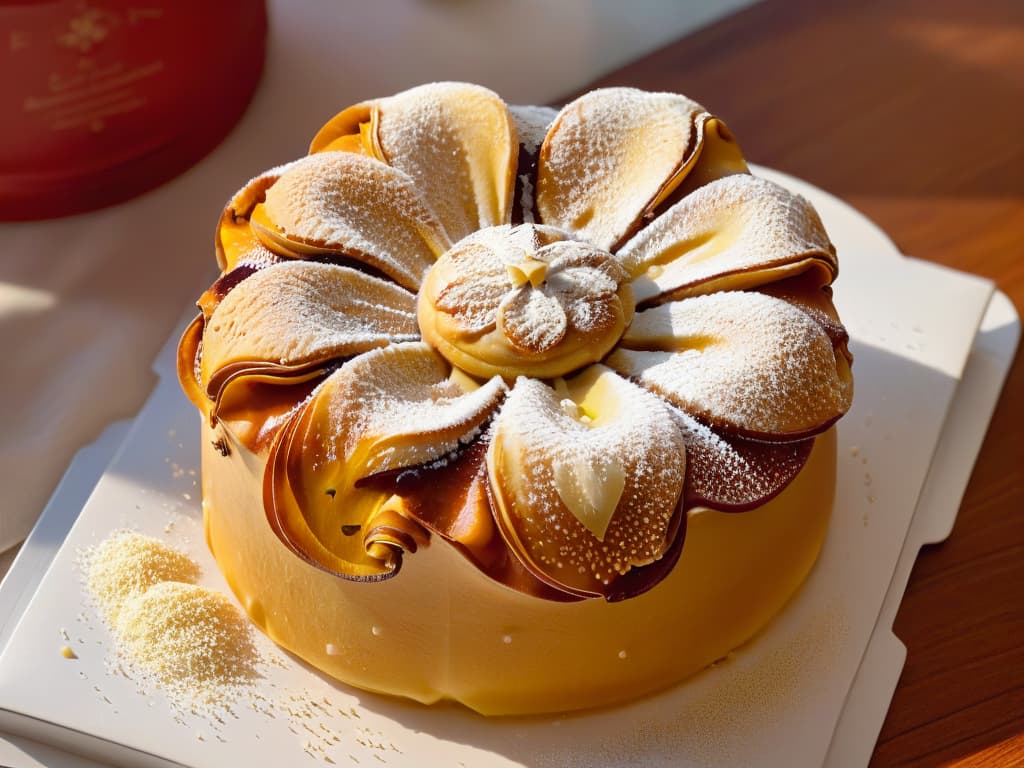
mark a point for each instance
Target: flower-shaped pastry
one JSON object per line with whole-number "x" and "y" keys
{"x": 542, "y": 337}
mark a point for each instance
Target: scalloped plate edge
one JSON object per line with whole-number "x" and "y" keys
{"x": 963, "y": 433}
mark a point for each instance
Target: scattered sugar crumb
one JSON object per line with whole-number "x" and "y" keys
{"x": 126, "y": 564}
{"x": 193, "y": 640}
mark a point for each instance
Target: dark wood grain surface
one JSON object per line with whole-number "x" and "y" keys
{"x": 913, "y": 112}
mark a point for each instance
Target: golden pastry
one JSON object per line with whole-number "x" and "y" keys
{"x": 525, "y": 409}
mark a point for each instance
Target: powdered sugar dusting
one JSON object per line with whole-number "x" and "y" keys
{"x": 457, "y": 142}
{"x": 299, "y": 312}
{"x": 743, "y": 360}
{"x": 606, "y": 158}
{"x": 245, "y": 199}
{"x": 540, "y": 445}
{"x": 234, "y": 237}
{"x": 734, "y": 474}
{"x": 361, "y": 208}
{"x": 733, "y": 225}
{"x": 578, "y": 289}
{"x": 588, "y": 473}
{"x": 532, "y": 320}
{"x": 532, "y": 125}
{"x": 400, "y": 407}
{"x": 526, "y": 200}
{"x": 478, "y": 282}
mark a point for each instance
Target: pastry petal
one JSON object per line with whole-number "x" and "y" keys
{"x": 717, "y": 155}
{"x": 396, "y": 407}
{"x": 387, "y": 409}
{"x": 235, "y": 241}
{"x": 458, "y": 143}
{"x": 298, "y": 316}
{"x": 746, "y": 363}
{"x": 532, "y": 320}
{"x": 325, "y": 534}
{"x": 568, "y": 255}
{"x": 347, "y": 131}
{"x": 735, "y": 233}
{"x": 354, "y": 206}
{"x": 191, "y": 344}
{"x": 473, "y": 284}
{"x": 611, "y": 157}
{"x": 584, "y": 282}
{"x": 473, "y": 302}
{"x": 189, "y": 348}
{"x": 586, "y": 481}
{"x": 732, "y": 474}
{"x": 466, "y": 518}
{"x": 252, "y": 408}
{"x": 223, "y": 285}
{"x": 575, "y": 283}
{"x": 809, "y": 294}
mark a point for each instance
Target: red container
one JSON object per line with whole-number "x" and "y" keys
{"x": 104, "y": 99}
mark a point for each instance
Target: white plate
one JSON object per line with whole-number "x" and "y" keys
{"x": 777, "y": 702}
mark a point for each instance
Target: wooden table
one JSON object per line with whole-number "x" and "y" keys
{"x": 913, "y": 112}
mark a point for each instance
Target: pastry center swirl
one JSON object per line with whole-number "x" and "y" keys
{"x": 524, "y": 301}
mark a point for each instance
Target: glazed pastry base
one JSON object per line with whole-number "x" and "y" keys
{"x": 442, "y": 630}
